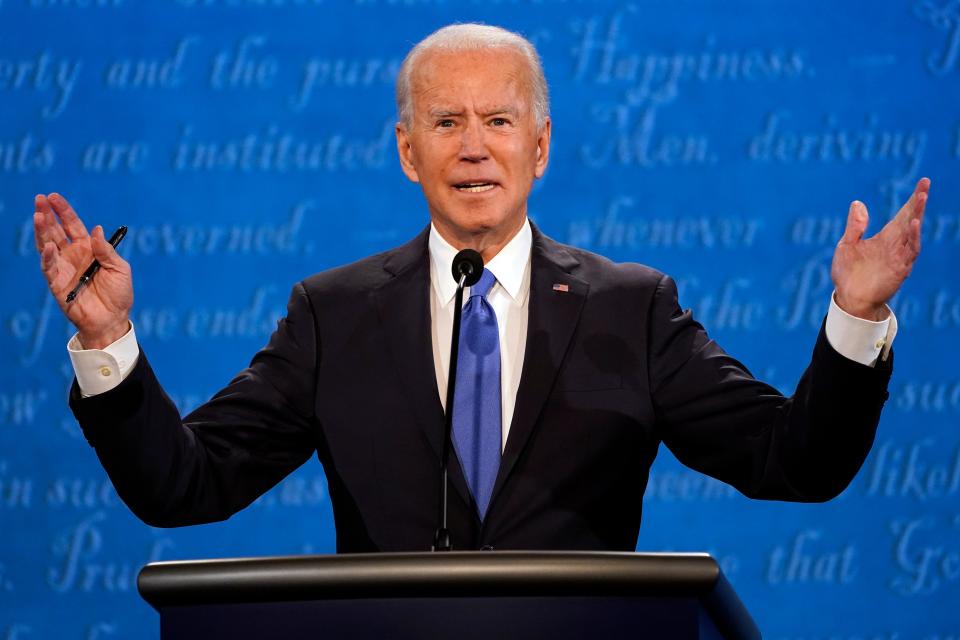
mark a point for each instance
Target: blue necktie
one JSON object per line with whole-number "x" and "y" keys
{"x": 476, "y": 400}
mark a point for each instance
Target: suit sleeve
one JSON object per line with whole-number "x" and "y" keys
{"x": 226, "y": 453}
{"x": 718, "y": 419}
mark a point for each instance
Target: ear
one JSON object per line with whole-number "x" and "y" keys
{"x": 405, "y": 151}
{"x": 543, "y": 149}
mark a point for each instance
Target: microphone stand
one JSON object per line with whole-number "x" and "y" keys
{"x": 441, "y": 539}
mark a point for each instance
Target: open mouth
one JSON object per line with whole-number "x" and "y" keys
{"x": 474, "y": 187}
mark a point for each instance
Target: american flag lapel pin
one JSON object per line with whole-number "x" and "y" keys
{"x": 562, "y": 288}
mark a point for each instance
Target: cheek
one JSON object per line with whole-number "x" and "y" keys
{"x": 435, "y": 171}
{"x": 523, "y": 157}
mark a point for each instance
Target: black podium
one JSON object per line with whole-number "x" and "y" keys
{"x": 462, "y": 595}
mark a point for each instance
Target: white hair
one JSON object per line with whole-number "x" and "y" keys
{"x": 473, "y": 37}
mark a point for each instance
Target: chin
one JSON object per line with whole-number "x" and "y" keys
{"x": 478, "y": 226}
{"x": 477, "y": 218}
{"x": 483, "y": 220}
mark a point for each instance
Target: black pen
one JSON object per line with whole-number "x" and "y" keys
{"x": 93, "y": 268}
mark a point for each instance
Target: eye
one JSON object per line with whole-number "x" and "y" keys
{"x": 446, "y": 123}
{"x": 499, "y": 122}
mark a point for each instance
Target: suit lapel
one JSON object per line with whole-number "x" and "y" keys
{"x": 553, "y": 316}
{"x": 403, "y": 305}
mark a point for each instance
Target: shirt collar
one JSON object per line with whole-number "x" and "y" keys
{"x": 508, "y": 266}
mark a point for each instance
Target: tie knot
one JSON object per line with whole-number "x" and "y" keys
{"x": 482, "y": 288}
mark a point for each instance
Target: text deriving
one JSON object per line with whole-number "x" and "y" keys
{"x": 837, "y": 143}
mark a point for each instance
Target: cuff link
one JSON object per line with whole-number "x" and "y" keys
{"x": 105, "y": 372}
{"x": 879, "y": 344}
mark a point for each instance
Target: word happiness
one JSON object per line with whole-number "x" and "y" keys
{"x": 604, "y": 55}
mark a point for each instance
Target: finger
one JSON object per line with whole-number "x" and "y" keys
{"x": 920, "y": 207}
{"x": 39, "y": 230}
{"x": 857, "y": 219}
{"x": 45, "y": 225}
{"x": 915, "y": 203}
{"x": 103, "y": 251}
{"x": 914, "y": 239}
{"x": 50, "y": 263}
{"x": 908, "y": 233}
{"x": 918, "y": 200}
{"x": 71, "y": 221}
{"x": 904, "y": 253}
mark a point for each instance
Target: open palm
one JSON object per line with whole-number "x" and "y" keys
{"x": 867, "y": 272}
{"x": 101, "y": 310}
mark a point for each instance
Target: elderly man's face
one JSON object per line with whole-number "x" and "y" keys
{"x": 474, "y": 145}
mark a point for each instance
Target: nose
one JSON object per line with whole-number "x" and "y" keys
{"x": 473, "y": 146}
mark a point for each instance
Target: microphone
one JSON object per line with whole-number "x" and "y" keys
{"x": 467, "y": 269}
{"x": 467, "y": 263}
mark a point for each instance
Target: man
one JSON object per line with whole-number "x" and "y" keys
{"x": 592, "y": 363}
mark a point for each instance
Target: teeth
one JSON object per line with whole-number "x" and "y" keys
{"x": 476, "y": 188}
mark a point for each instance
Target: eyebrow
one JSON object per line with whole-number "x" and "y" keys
{"x": 501, "y": 109}
{"x": 443, "y": 112}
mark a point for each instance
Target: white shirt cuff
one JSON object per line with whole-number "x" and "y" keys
{"x": 863, "y": 341}
{"x": 99, "y": 370}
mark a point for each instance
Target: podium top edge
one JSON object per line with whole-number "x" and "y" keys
{"x": 441, "y": 558}
{"x": 428, "y": 575}
{"x": 695, "y": 576}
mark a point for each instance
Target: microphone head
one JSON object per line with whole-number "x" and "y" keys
{"x": 468, "y": 262}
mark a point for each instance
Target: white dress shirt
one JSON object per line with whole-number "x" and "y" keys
{"x": 863, "y": 341}
{"x": 509, "y": 297}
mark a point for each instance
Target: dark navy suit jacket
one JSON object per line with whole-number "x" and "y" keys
{"x": 612, "y": 368}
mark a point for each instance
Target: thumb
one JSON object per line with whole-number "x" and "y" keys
{"x": 857, "y": 220}
{"x": 105, "y": 254}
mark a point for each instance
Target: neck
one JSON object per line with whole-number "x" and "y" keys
{"x": 487, "y": 243}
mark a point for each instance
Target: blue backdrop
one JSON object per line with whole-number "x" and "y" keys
{"x": 249, "y": 143}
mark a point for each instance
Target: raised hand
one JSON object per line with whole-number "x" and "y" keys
{"x": 868, "y": 272}
{"x": 101, "y": 311}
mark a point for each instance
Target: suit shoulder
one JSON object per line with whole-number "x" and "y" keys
{"x": 355, "y": 276}
{"x": 364, "y": 275}
{"x": 601, "y": 271}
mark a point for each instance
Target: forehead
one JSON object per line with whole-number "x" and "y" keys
{"x": 471, "y": 78}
